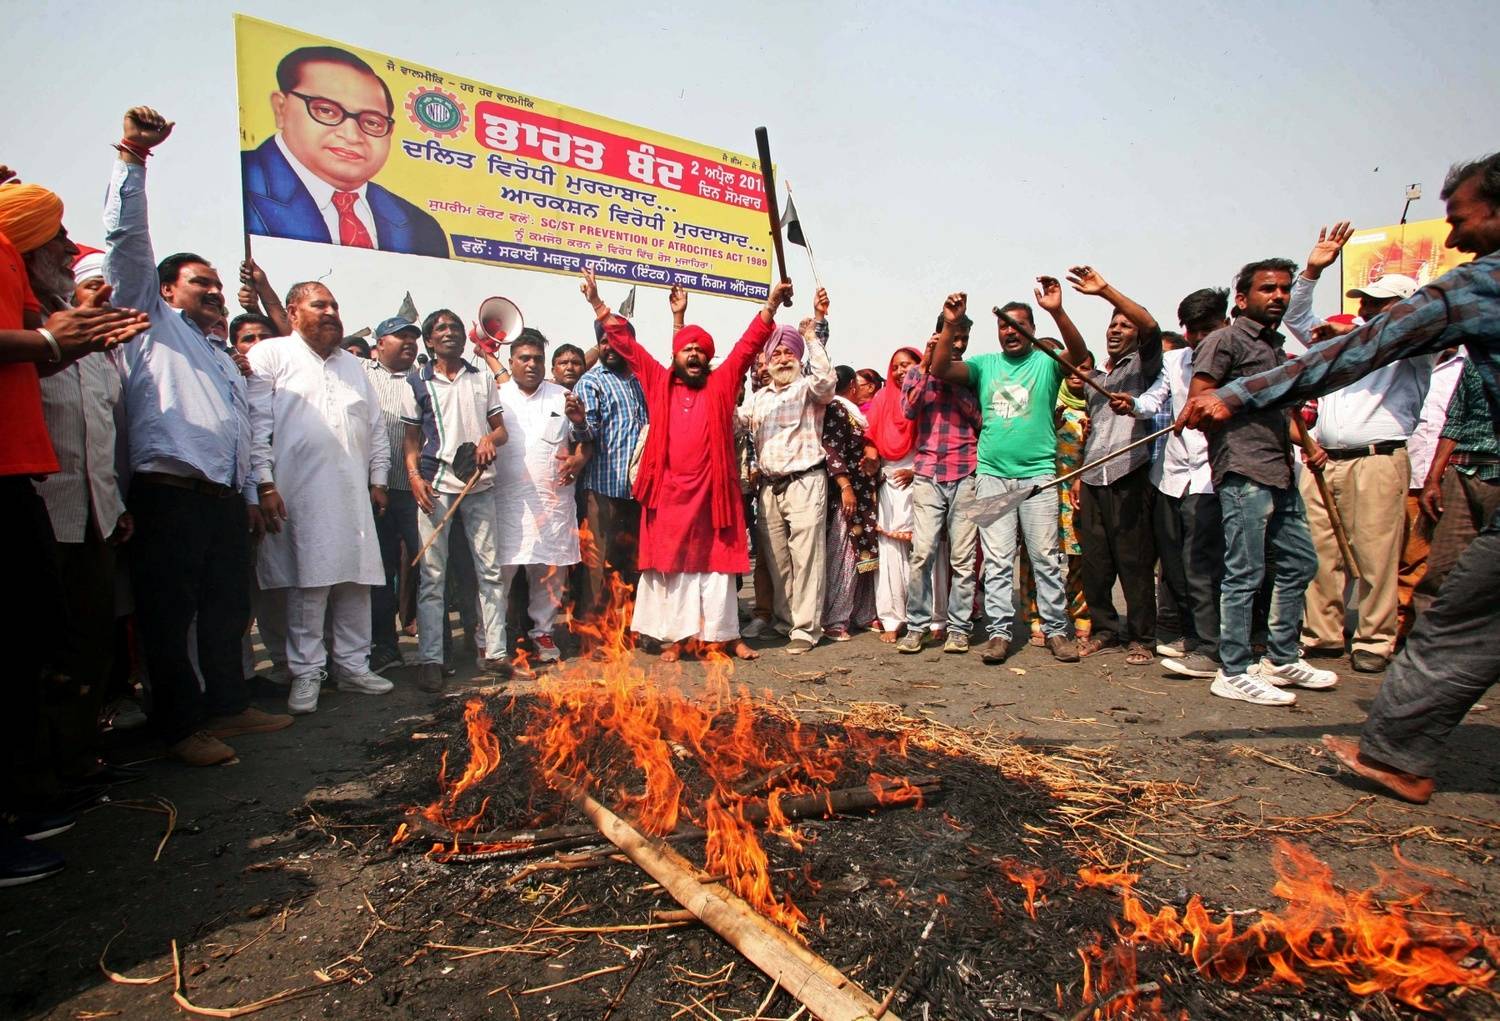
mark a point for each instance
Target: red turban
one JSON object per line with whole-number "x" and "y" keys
{"x": 693, "y": 335}
{"x": 30, "y": 215}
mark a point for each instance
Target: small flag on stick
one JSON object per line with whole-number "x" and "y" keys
{"x": 627, "y": 307}
{"x": 408, "y": 310}
{"x": 791, "y": 223}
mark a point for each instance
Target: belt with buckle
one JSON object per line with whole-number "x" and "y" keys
{"x": 779, "y": 483}
{"x": 203, "y": 487}
{"x": 1350, "y": 453}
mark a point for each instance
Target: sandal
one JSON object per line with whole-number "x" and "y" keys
{"x": 1092, "y": 646}
{"x": 1137, "y": 654}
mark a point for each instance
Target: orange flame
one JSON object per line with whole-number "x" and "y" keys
{"x": 1027, "y": 877}
{"x": 1373, "y": 946}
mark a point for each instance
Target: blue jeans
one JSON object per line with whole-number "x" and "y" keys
{"x": 1037, "y": 520}
{"x": 1259, "y": 520}
{"x": 939, "y": 507}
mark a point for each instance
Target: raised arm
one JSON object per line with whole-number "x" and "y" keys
{"x": 1087, "y": 280}
{"x": 620, "y": 338}
{"x": 1299, "y": 319}
{"x": 1049, "y": 295}
{"x": 822, "y": 379}
{"x": 256, "y": 292}
{"x": 944, "y": 365}
{"x": 742, "y": 355}
{"x": 129, "y": 262}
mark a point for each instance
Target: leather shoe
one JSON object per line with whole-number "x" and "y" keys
{"x": 430, "y": 677}
{"x": 994, "y": 651}
{"x": 1368, "y": 662}
{"x": 1063, "y": 650}
{"x": 248, "y": 721}
{"x": 202, "y": 749}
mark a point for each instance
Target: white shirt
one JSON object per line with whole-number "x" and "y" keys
{"x": 322, "y": 193}
{"x": 535, "y": 518}
{"x": 79, "y": 404}
{"x": 319, "y": 435}
{"x": 451, "y": 412}
{"x": 1183, "y": 466}
{"x": 1382, "y": 407}
{"x": 1424, "y": 438}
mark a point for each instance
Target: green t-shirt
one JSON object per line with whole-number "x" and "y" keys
{"x": 1018, "y": 395}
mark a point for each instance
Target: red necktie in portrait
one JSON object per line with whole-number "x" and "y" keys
{"x": 352, "y": 233}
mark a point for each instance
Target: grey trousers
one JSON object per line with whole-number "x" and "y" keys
{"x": 1451, "y": 658}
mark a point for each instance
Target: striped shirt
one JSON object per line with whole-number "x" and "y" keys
{"x": 450, "y": 413}
{"x": 393, "y": 389}
{"x": 79, "y": 403}
{"x": 1459, "y": 308}
{"x": 614, "y": 413}
{"x": 1134, "y": 374}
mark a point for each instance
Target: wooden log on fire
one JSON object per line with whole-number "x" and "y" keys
{"x": 844, "y": 801}
{"x": 825, "y": 991}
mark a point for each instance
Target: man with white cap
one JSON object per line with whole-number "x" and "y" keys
{"x": 1362, "y": 432}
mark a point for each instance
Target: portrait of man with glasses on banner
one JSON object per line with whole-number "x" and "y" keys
{"x": 311, "y": 181}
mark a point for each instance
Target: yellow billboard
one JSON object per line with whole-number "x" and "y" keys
{"x": 1411, "y": 249}
{"x": 349, "y": 147}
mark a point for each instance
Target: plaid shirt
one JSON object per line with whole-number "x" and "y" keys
{"x": 614, "y": 413}
{"x": 1472, "y": 429}
{"x": 1460, "y": 308}
{"x": 787, "y": 423}
{"x": 948, "y": 419}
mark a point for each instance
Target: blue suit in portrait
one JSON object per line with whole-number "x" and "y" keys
{"x": 277, "y": 205}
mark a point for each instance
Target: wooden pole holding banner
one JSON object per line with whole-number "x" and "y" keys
{"x": 768, "y": 179}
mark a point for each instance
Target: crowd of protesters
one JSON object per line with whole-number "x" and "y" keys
{"x": 176, "y": 476}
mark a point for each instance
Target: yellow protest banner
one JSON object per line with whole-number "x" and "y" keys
{"x": 345, "y": 146}
{"x": 1411, "y": 249}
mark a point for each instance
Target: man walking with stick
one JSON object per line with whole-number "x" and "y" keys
{"x": 451, "y": 404}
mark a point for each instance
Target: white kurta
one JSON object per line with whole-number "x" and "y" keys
{"x": 319, "y": 435}
{"x": 536, "y": 519}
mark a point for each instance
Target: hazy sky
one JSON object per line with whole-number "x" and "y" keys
{"x": 933, "y": 147}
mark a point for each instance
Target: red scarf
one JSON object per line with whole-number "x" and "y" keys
{"x": 890, "y": 430}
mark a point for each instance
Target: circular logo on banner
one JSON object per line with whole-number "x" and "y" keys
{"x": 436, "y": 112}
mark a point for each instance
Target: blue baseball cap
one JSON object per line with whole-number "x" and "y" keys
{"x": 395, "y": 324}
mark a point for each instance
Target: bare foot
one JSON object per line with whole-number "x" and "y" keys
{"x": 743, "y": 651}
{"x": 1406, "y": 786}
{"x": 889, "y": 637}
{"x": 670, "y": 652}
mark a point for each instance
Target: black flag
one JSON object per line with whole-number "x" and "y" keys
{"x": 791, "y": 224}
{"x": 408, "y": 309}
{"x": 627, "y": 307}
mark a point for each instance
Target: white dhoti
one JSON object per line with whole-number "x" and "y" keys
{"x": 894, "y": 514}
{"x": 701, "y": 605}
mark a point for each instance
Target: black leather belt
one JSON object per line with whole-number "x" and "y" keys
{"x": 201, "y": 486}
{"x": 779, "y": 483}
{"x": 1350, "y": 453}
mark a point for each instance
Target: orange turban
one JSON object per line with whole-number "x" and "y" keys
{"x": 30, "y": 215}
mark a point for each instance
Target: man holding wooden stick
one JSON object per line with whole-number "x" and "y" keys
{"x": 1264, "y": 518}
{"x": 451, "y": 402}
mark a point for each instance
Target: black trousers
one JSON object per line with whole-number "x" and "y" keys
{"x": 35, "y": 613}
{"x": 1115, "y": 530}
{"x": 397, "y": 525}
{"x": 87, "y": 572}
{"x": 1190, "y": 541}
{"x": 190, "y": 557}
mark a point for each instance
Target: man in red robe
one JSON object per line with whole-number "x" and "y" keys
{"x": 692, "y": 516}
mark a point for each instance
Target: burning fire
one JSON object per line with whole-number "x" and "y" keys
{"x": 606, "y": 726}
{"x": 1370, "y": 943}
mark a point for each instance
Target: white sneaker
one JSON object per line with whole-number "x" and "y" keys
{"x": 1249, "y": 688}
{"x": 1175, "y": 649}
{"x": 1300, "y": 674}
{"x": 757, "y": 628}
{"x": 303, "y": 698}
{"x": 362, "y": 682}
